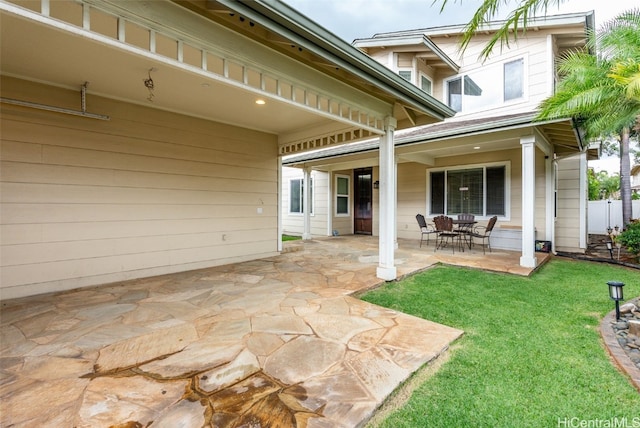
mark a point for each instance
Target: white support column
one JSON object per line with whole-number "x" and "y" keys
{"x": 395, "y": 205}
{"x": 330, "y": 193}
{"x": 386, "y": 268}
{"x": 306, "y": 204}
{"x": 550, "y": 201}
{"x": 528, "y": 258}
{"x": 279, "y": 192}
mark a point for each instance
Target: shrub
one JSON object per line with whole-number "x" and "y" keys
{"x": 630, "y": 238}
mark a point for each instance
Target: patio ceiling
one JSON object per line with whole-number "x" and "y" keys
{"x": 117, "y": 45}
{"x": 41, "y": 53}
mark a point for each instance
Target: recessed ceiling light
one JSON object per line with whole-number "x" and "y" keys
{"x": 476, "y": 148}
{"x": 205, "y": 85}
{"x": 260, "y": 102}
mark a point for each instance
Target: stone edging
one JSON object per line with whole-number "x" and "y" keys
{"x": 618, "y": 354}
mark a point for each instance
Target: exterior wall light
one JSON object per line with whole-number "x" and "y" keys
{"x": 615, "y": 293}
{"x": 376, "y": 184}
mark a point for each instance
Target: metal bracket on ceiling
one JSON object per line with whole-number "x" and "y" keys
{"x": 83, "y": 105}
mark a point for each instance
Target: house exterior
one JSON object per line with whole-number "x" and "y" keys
{"x": 491, "y": 158}
{"x": 635, "y": 179}
{"x": 145, "y": 138}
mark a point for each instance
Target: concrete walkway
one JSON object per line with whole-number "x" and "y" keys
{"x": 276, "y": 342}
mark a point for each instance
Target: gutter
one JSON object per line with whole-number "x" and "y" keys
{"x": 282, "y": 19}
{"x": 586, "y": 18}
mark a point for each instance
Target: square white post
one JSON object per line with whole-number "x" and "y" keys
{"x": 386, "y": 268}
{"x": 279, "y": 192}
{"x": 306, "y": 204}
{"x": 528, "y": 257}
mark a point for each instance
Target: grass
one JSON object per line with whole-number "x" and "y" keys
{"x": 531, "y": 355}
{"x": 290, "y": 238}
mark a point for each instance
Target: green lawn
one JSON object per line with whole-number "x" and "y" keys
{"x": 290, "y": 238}
{"x": 531, "y": 355}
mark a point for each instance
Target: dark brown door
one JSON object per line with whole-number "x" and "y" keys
{"x": 363, "y": 201}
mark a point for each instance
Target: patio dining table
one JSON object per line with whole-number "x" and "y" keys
{"x": 465, "y": 227}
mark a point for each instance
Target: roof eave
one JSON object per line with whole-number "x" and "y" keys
{"x": 417, "y": 39}
{"x": 585, "y": 18}
{"x": 475, "y": 129}
{"x": 286, "y": 21}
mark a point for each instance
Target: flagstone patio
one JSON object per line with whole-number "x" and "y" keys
{"x": 277, "y": 342}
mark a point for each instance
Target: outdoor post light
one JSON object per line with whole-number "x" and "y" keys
{"x": 615, "y": 292}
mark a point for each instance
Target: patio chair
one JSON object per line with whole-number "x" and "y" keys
{"x": 444, "y": 227}
{"x": 484, "y": 233}
{"x": 466, "y": 228}
{"x": 425, "y": 229}
{"x": 465, "y": 217}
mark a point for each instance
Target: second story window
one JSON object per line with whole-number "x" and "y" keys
{"x": 426, "y": 84}
{"x": 513, "y": 79}
{"x": 406, "y": 75}
{"x": 486, "y": 87}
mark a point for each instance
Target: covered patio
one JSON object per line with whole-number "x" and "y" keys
{"x": 278, "y": 341}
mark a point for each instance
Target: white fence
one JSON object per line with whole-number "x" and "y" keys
{"x": 604, "y": 214}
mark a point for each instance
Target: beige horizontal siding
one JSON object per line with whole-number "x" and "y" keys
{"x": 412, "y": 198}
{"x": 71, "y": 175}
{"x": 148, "y": 192}
{"x": 567, "y": 228}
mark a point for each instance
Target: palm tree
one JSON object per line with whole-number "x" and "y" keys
{"x": 602, "y": 91}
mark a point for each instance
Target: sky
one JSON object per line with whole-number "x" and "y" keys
{"x": 353, "y": 19}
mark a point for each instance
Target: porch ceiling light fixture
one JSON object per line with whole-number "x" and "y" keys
{"x": 616, "y": 294}
{"x": 260, "y": 102}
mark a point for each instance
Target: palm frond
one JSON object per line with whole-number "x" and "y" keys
{"x": 627, "y": 74}
{"x": 515, "y": 23}
{"x": 620, "y": 37}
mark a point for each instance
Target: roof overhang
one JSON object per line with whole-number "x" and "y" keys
{"x": 330, "y": 51}
{"x": 451, "y": 138}
{"x": 419, "y": 43}
{"x": 570, "y": 30}
{"x": 584, "y": 19}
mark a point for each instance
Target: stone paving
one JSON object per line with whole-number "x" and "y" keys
{"x": 276, "y": 342}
